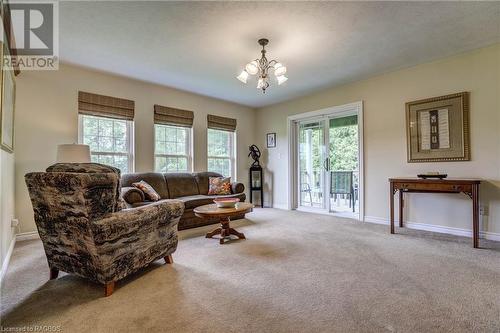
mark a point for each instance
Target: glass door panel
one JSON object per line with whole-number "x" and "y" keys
{"x": 312, "y": 164}
{"x": 344, "y": 164}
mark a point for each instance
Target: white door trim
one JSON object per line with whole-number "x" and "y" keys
{"x": 292, "y": 200}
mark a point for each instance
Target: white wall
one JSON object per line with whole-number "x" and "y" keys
{"x": 47, "y": 115}
{"x": 6, "y": 203}
{"x": 384, "y": 100}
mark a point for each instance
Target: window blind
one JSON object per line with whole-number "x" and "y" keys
{"x": 105, "y": 106}
{"x": 170, "y": 116}
{"x": 221, "y": 123}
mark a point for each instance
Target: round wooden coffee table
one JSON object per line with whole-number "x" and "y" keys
{"x": 224, "y": 215}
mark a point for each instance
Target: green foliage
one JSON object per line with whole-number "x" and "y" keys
{"x": 220, "y": 165}
{"x": 107, "y": 137}
{"x": 344, "y": 148}
{"x": 170, "y": 164}
{"x": 219, "y": 143}
{"x": 219, "y": 151}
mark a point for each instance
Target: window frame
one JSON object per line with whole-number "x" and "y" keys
{"x": 232, "y": 150}
{"x": 189, "y": 146}
{"x": 129, "y": 140}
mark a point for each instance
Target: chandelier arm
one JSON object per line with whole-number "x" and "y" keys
{"x": 273, "y": 62}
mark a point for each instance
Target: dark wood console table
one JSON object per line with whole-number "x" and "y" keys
{"x": 470, "y": 187}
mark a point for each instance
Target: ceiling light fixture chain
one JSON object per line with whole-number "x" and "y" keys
{"x": 261, "y": 68}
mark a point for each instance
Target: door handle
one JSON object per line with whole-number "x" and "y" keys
{"x": 326, "y": 164}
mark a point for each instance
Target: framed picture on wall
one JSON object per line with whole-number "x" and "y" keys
{"x": 438, "y": 129}
{"x": 271, "y": 140}
{"x": 8, "y": 93}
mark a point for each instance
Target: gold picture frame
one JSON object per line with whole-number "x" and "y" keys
{"x": 437, "y": 129}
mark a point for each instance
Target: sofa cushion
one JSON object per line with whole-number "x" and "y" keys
{"x": 156, "y": 180}
{"x": 148, "y": 190}
{"x": 132, "y": 195}
{"x": 219, "y": 186}
{"x": 181, "y": 184}
{"x": 194, "y": 201}
{"x": 202, "y": 180}
{"x": 237, "y": 188}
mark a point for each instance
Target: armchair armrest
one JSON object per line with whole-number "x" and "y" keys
{"x": 132, "y": 195}
{"x": 134, "y": 222}
{"x": 237, "y": 188}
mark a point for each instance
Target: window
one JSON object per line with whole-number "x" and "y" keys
{"x": 110, "y": 140}
{"x": 221, "y": 154}
{"x": 172, "y": 148}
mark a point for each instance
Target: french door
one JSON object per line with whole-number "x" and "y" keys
{"x": 313, "y": 163}
{"x": 328, "y": 163}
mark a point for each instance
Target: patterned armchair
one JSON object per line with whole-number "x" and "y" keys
{"x": 84, "y": 232}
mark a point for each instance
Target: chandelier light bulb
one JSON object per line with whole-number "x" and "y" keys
{"x": 260, "y": 83}
{"x": 279, "y": 69}
{"x": 281, "y": 79}
{"x": 252, "y": 67}
{"x": 243, "y": 77}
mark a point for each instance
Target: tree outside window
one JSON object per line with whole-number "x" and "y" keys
{"x": 172, "y": 148}
{"x": 110, "y": 141}
{"x": 220, "y": 149}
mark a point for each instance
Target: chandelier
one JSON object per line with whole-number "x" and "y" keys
{"x": 261, "y": 68}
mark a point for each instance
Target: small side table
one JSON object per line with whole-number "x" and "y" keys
{"x": 224, "y": 214}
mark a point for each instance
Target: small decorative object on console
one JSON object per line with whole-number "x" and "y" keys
{"x": 432, "y": 175}
{"x": 255, "y": 154}
{"x": 226, "y": 202}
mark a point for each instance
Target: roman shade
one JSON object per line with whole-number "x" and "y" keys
{"x": 170, "y": 116}
{"x": 105, "y": 106}
{"x": 221, "y": 123}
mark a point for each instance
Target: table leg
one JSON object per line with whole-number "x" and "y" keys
{"x": 475, "y": 215}
{"x": 236, "y": 233}
{"x": 214, "y": 232}
{"x": 391, "y": 200}
{"x": 225, "y": 231}
{"x": 224, "y": 223}
{"x": 401, "y": 205}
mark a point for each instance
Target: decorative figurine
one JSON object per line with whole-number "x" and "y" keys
{"x": 255, "y": 154}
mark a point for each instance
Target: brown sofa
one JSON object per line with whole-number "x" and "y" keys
{"x": 190, "y": 188}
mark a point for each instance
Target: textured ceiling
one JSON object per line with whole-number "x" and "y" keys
{"x": 201, "y": 46}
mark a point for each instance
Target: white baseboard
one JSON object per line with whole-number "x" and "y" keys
{"x": 438, "y": 228}
{"x": 27, "y": 236}
{"x": 17, "y": 238}
{"x": 6, "y": 261}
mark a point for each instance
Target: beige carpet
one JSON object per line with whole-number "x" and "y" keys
{"x": 296, "y": 272}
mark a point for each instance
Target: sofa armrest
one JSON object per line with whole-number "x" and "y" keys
{"x": 132, "y": 195}
{"x": 237, "y": 188}
{"x": 131, "y": 223}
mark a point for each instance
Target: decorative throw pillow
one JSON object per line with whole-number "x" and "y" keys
{"x": 148, "y": 190}
{"x": 219, "y": 185}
